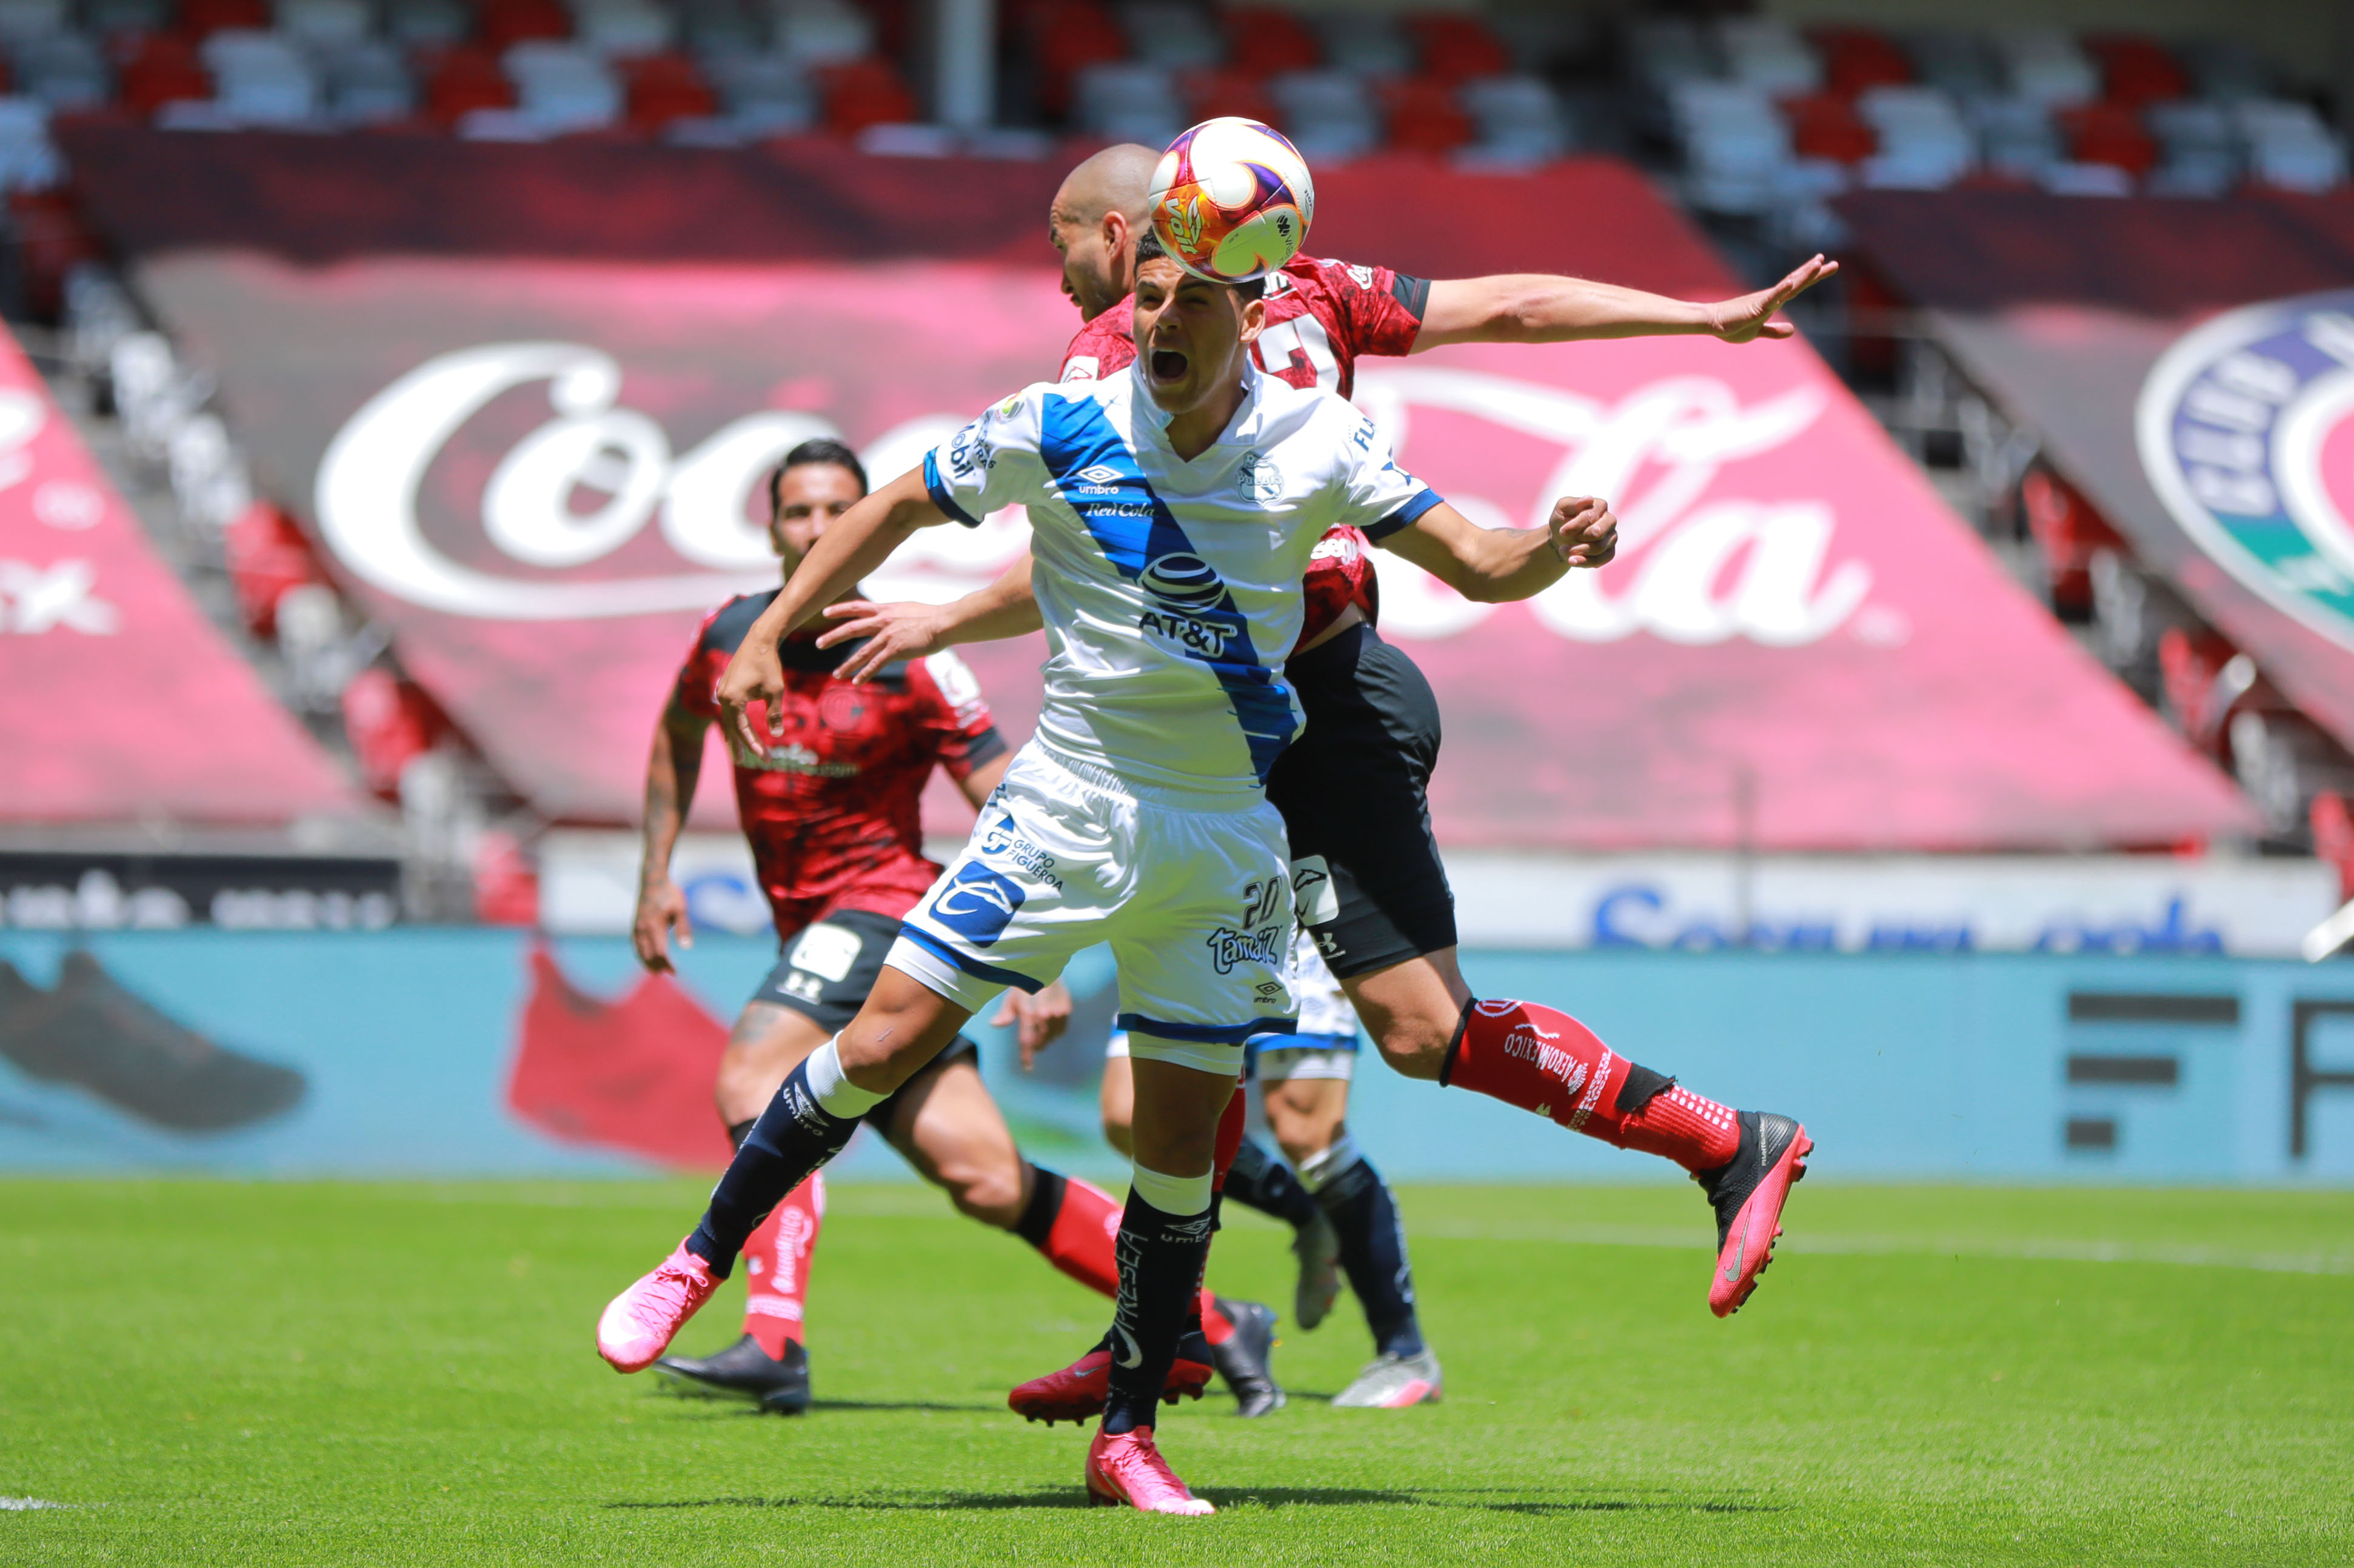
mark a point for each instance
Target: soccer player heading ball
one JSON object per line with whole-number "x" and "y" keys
{"x": 1174, "y": 510}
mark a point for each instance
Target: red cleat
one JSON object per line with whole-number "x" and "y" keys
{"x": 639, "y": 1323}
{"x": 1747, "y": 1193}
{"x": 1129, "y": 1470}
{"x": 1077, "y": 1392}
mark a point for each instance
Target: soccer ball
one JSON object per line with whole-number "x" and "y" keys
{"x": 1232, "y": 200}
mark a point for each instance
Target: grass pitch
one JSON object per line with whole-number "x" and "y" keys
{"x": 211, "y": 1373}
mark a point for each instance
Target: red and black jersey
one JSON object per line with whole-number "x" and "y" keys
{"x": 1320, "y": 316}
{"x": 833, "y": 807}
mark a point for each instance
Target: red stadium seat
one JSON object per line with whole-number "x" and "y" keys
{"x": 159, "y": 69}
{"x": 2069, "y": 531}
{"x": 864, "y": 92}
{"x": 1856, "y": 60}
{"x": 2333, "y": 837}
{"x": 2109, "y": 133}
{"x": 507, "y": 884}
{"x": 1423, "y": 116}
{"x": 1212, "y": 92}
{"x": 503, "y": 23}
{"x": 389, "y": 723}
{"x": 2188, "y": 664}
{"x": 1267, "y": 43}
{"x": 460, "y": 80}
{"x": 202, "y": 19}
{"x": 1068, "y": 37}
{"x": 1824, "y": 125}
{"x": 267, "y": 556}
{"x": 51, "y": 241}
{"x": 1457, "y": 49}
{"x": 2136, "y": 70}
{"x": 664, "y": 87}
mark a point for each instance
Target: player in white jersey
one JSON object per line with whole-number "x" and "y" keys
{"x": 1172, "y": 512}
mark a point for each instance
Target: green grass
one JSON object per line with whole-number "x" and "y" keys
{"x": 222, "y": 1373}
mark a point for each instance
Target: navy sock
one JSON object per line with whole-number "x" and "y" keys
{"x": 1372, "y": 1254}
{"x": 794, "y": 1136}
{"x": 1160, "y": 1258}
{"x": 1259, "y": 1180}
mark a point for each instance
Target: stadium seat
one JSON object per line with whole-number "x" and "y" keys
{"x": 28, "y": 162}
{"x": 2288, "y": 146}
{"x": 266, "y": 555}
{"x": 503, "y": 24}
{"x": 1768, "y": 54}
{"x": 1366, "y": 44}
{"x": 562, "y": 86}
{"x": 1421, "y": 115}
{"x": 2202, "y": 147}
{"x": 2110, "y": 133}
{"x": 1856, "y": 60}
{"x": 2069, "y": 532}
{"x": 666, "y": 88}
{"x": 465, "y": 79}
{"x": 259, "y": 77}
{"x": 2016, "y": 135}
{"x": 621, "y": 29}
{"x": 860, "y": 93}
{"x": 1736, "y": 147}
{"x": 1212, "y": 91}
{"x": 202, "y": 19}
{"x": 1171, "y": 35}
{"x": 2332, "y": 824}
{"x": 21, "y": 19}
{"x": 1521, "y": 120}
{"x": 1328, "y": 114}
{"x": 66, "y": 71}
{"x": 1826, "y": 125}
{"x": 1065, "y": 38}
{"x": 2044, "y": 64}
{"x": 2137, "y": 71}
{"x": 1456, "y": 49}
{"x": 328, "y": 22}
{"x": 51, "y": 241}
{"x": 428, "y": 22}
{"x": 824, "y": 33}
{"x": 1924, "y": 143}
{"x": 368, "y": 83}
{"x": 762, "y": 95}
{"x": 1265, "y": 43}
{"x": 389, "y": 723}
{"x": 1128, "y": 101}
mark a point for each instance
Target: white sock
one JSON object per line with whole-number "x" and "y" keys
{"x": 1320, "y": 1170}
{"x": 1178, "y": 1196}
{"x": 832, "y": 1089}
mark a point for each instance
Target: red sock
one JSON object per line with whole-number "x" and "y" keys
{"x": 1216, "y": 1327}
{"x": 1081, "y": 1241}
{"x": 776, "y": 1266}
{"x": 1529, "y": 1056}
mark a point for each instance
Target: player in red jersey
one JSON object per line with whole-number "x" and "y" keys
{"x": 832, "y": 809}
{"x": 1352, "y": 789}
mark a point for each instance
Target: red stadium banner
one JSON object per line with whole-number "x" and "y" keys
{"x": 539, "y": 474}
{"x": 118, "y": 701}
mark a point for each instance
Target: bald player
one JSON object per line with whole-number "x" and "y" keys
{"x": 1353, "y": 789}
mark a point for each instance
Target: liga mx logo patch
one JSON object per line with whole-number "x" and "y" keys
{"x": 2246, "y": 431}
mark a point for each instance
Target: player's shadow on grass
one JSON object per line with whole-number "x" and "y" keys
{"x": 1226, "y": 1497}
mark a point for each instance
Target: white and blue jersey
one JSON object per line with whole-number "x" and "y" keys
{"x": 1171, "y": 588}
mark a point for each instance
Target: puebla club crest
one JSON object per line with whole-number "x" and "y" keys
{"x": 2246, "y": 431}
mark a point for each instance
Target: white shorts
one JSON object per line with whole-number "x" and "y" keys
{"x": 1196, "y": 904}
{"x": 1279, "y": 1058}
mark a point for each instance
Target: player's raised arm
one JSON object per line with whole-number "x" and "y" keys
{"x": 902, "y": 631}
{"x": 859, "y": 541}
{"x": 1531, "y": 307}
{"x": 1495, "y": 566}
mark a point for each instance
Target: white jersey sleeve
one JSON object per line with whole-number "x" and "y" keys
{"x": 990, "y": 463}
{"x": 1376, "y": 496}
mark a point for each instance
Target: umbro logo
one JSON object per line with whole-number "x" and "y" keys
{"x": 1099, "y": 473}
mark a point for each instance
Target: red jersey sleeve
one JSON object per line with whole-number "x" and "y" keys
{"x": 964, "y": 735}
{"x": 1380, "y": 311}
{"x": 1103, "y": 347}
{"x": 697, "y": 687}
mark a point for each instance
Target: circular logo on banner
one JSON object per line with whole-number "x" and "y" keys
{"x": 2246, "y": 430}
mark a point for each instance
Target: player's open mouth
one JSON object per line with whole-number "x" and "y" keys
{"x": 1167, "y": 364}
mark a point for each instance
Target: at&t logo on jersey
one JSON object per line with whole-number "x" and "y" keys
{"x": 977, "y": 903}
{"x": 1183, "y": 579}
{"x": 2246, "y": 431}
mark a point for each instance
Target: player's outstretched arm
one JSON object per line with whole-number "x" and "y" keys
{"x": 898, "y": 632}
{"x": 1529, "y": 307}
{"x": 860, "y": 540}
{"x": 673, "y": 769}
{"x": 1495, "y": 566}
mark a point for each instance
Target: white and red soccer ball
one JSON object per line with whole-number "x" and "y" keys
{"x": 1232, "y": 200}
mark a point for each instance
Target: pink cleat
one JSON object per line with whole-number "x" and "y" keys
{"x": 1747, "y": 1194}
{"x": 638, "y": 1324}
{"x": 1129, "y": 1470}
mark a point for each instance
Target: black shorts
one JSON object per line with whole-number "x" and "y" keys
{"x": 1353, "y": 793}
{"x": 824, "y": 971}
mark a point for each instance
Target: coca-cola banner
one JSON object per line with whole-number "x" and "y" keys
{"x": 118, "y": 699}
{"x": 539, "y": 473}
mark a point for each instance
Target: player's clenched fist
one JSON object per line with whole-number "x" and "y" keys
{"x": 1584, "y": 530}
{"x": 754, "y": 675}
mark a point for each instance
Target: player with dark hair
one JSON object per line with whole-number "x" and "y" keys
{"x": 1353, "y": 790}
{"x": 1172, "y": 514}
{"x": 832, "y": 814}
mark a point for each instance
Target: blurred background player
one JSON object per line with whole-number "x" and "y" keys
{"x": 1353, "y": 790}
{"x": 832, "y": 814}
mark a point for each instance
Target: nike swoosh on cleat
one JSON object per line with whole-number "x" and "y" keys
{"x": 1733, "y": 1269}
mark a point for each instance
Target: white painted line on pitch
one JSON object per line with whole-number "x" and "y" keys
{"x": 18, "y": 1505}
{"x": 1696, "y": 1239}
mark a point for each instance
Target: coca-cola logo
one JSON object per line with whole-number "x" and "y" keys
{"x": 1694, "y": 566}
